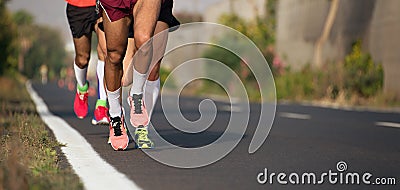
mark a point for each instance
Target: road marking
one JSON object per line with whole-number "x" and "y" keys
{"x": 94, "y": 172}
{"x": 294, "y": 115}
{"x": 388, "y": 124}
{"x": 231, "y": 108}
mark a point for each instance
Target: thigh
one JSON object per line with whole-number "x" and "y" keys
{"x": 82, "y": 46}
{"x": 160, "y": 41}
{"x": 161, "y": 31}
{"x": 101, "y": 40}
{"x": 116, "y": 33}
{"x": 130, "y": 52}
{"x": 159, "y": 45}
{"x": 146, "y": 13}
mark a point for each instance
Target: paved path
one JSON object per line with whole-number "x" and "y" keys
{"x": 303, "y": 139}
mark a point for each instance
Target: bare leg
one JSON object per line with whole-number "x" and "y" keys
{"x": 82, "y": 50}
{"x": 116, "y": 41}
{"x": 82, "y": 56}
{"x": 101, "y": 45}
{"x": 101, "y": 110}
{"x": 128, "y": 64}
{"x": 101, "y": 53}
{"x": 152, "y": 87}
{"x": 145, "y": 16}
{"x": 160, "y": 43}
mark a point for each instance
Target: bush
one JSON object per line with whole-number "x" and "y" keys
{"x": 362, "y": 75}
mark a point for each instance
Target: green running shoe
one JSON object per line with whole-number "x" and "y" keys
{"x": 141, "y": 138}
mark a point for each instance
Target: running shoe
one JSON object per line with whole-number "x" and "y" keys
{"x": 118, "y": 137}
{"x": 81, "y": 104}
{"x": 139, "y": 116}
{"x": 141, "y": 138}
{"x": 100, "y": 116}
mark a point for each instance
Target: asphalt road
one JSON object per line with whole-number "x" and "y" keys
{"x": 303, "y": 139}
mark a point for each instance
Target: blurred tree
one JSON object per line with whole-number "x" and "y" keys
{"x": 38, "y": 45}
{"x": 261, "y": 30}
{"x": 8, "y": 48}
{"x": 48, "y": 49}
{"x": 325, "y": 32}
{"x": 24, "y": 21}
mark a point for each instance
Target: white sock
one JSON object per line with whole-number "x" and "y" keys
{"x": 80, "y": 75}
{"x": 113, "y": 102}
{"x": 100, "y": 80}
{"x": 151, "y": 91}
{"x": 138, "y": 82}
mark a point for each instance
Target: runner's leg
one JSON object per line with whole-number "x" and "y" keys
{"x": 152, "y": 86}
{"x": 116, "y": 41}
{"x": 101, "y": 110}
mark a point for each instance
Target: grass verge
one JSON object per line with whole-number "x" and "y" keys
{"x": 29, "y": 154}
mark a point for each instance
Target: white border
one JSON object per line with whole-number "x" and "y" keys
{"x": 94, "y": 172}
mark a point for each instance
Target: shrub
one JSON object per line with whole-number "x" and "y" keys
{"x": 362, "y": 75}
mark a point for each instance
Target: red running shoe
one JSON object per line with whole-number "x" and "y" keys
{"x": 81, "y": 104}
{"x": 101, "y": 116}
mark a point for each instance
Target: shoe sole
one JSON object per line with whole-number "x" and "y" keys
{"x": 119, "y": 148}
{"x": 145, "y": 146}
{"x": 104, "y": 121}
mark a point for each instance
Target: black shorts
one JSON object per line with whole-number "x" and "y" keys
{"x": 165, "y": 16}
{"x": 81, "y": 20}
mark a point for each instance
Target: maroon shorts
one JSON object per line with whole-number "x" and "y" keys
{"x": 117, "y": 9}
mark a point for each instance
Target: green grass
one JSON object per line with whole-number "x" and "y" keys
{"x": 29, "y": 154}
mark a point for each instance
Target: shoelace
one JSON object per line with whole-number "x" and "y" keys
{"x": 142, "y": 133}
{"x": 116, "y": 124}
{"x": 137, "y": 103}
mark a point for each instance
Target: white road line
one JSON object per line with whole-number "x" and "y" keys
{"x": 294, "y": 115}
{"x": 94, "y": 172}
{"x": 388, "y": 124}
{"x": 231, "y": 108}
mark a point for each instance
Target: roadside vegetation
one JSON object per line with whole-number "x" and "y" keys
{"x": 29, "y": 154}
{"x": 30, "y": 157}
{"x": 355, "y": 81}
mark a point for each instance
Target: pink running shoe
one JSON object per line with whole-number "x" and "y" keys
{"x": 118, "y": 137}
{"x": 139, "y": 116}
{"x": 101, "y": 116}
{"x": 81, "y": 104}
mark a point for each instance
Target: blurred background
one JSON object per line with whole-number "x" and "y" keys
{"x": 333, "y": 52}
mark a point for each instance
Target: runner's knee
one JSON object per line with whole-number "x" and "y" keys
{"x": 115, "y": 57}
{"x": 82, "y": 60}
{"x": 141, "y": 38}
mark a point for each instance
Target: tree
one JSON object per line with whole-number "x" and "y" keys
{"x": 38, "y": 45}
{"x": 47, "y": 48}
{"x": 8, "y": 48}
{"x": 325, "y": 32}
{"x": 24, "y": 21}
